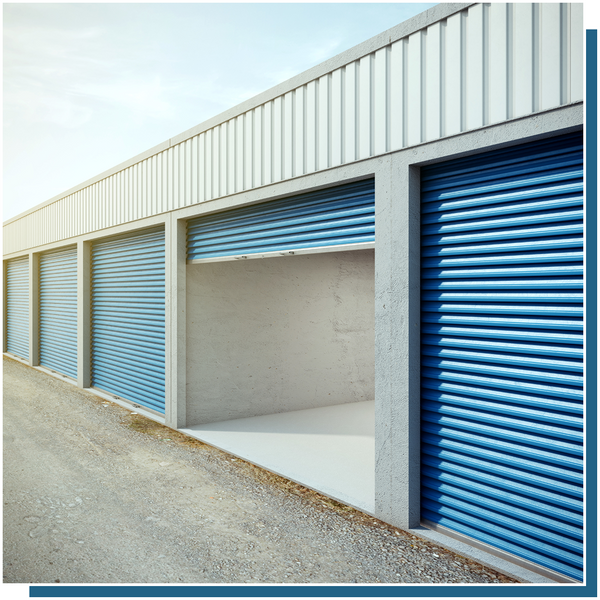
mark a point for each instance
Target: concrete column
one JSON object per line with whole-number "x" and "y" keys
{"x": 34, "y": 309}
{"x": 84, "y": 314}
{"x": 175, "y": 322}
{"x": 397, "y": 343}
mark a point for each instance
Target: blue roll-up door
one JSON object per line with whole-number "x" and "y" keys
{"x": 128, "y": 317}
{"x": 58, "y": 311}
{"x": 332, "y": 217}
{"x": 17, "y": 307}
{"x": 502, "y": 350}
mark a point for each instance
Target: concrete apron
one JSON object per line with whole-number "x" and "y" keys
{"x": 329, "y": 449}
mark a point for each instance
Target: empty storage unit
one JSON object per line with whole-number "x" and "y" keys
{"x": 378, "y": 261}
{"x": 280, "y": 324}
{"x": 287, "y": 334}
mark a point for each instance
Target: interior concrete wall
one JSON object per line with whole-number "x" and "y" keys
{"x": 274, "y": 335}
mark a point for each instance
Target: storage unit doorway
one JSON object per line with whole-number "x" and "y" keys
{"x": 290, "y": 338}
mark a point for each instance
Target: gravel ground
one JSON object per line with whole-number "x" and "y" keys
{"x": 94, "y": 493}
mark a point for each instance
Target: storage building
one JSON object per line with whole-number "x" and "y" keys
{"x": 368, "y": 279}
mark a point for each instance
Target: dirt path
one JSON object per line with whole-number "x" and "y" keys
{"x": 96, "y": 494}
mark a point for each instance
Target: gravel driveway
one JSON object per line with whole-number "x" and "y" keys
{"x": 94, "y": 493}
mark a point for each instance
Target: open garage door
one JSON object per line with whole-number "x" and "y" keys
{"x": 331, "y": 218}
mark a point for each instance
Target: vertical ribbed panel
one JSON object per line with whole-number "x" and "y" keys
{"x": 502, "y": 350}
{"x": 335, "y": 217}
{"x": 58, "y": 311}
{"x": 17, "y": 307}
{"x": 128, "y": 317}
{"x": 484, "y": 65}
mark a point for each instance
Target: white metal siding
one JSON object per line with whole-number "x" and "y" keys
{"x": 486, "y": 64}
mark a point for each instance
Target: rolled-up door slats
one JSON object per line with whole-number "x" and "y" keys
{"x": 334, "y": 217}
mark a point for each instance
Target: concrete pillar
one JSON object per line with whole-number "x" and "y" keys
{"x": 84, "y": 314}
{"x": 34, "y": 309}
{"x": 397, "y": 343}
{"x": 175, "y": 322}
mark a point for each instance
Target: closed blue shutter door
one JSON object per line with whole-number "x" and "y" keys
{"x": 17, "y": 307}
{"x": 58, "y": 311}
{"x": 502, "y": 350}
{"x": 128, "y": 317}
{"x": 332, "y": 217}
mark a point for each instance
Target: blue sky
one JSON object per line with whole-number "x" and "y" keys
{"x": 87, "y": 86}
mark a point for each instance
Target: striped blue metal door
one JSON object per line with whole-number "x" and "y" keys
{"x": 58, "y": 311}
{"x": 332, "y": 217}
{"x": 128, "y": 317}
{"x": 502, "y": 350}
{"x": 17, "y": 307}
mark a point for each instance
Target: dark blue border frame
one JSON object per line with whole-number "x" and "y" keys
{"x": 591, "y": 273}
{"x": 428, "y": 591}
{"x": 278, "y": 591}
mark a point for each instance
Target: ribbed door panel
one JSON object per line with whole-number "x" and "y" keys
{"x": 17, "y": 307}
{"x": 332, "y": 217}
{"x": 58, "y": 311}
{"x": 128, "y": 317}
{"x": 502, "y": 350}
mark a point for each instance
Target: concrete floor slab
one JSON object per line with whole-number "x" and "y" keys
{"x": 329, "y": 449}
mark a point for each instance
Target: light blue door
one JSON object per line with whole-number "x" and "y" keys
{"x": 17, "y": 307}
{"x": 58, "y": 311}
{"x": 128, "y": 317}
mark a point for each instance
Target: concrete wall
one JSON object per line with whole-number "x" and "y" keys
{"x": 279, "y": 334}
